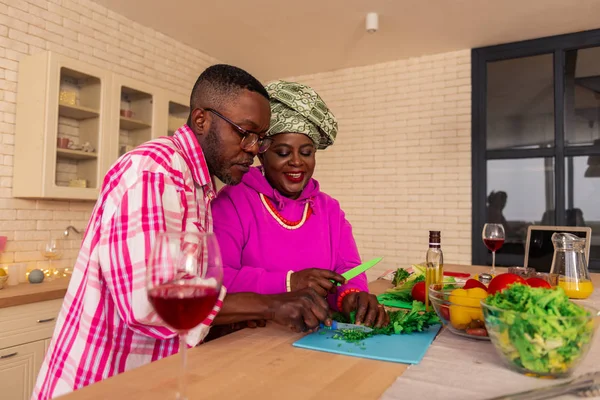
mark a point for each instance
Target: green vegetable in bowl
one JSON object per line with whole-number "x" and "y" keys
{"x": 404, "y": 282}
{"x": 538, "y": 330}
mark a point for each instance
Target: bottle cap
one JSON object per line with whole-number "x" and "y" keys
{"x": 435, "y": 237}
{"x": 485, "y": 278}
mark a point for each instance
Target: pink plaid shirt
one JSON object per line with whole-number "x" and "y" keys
{"x": 106, "y": 324}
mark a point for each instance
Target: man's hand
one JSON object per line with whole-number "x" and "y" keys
{"x": 317, "y": 279}
{"x": 301, "y": 310}
{"x": 368, "y": 310}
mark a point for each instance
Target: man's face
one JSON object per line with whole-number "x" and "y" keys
{"x": 222, "y": 143}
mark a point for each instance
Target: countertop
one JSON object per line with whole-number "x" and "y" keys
{"x": 26, "y": 293}
{"x": 258, "y": 363}
{"x": 261, "y": 363}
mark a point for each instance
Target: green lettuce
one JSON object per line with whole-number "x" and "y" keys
{"x": 533, "y": 335}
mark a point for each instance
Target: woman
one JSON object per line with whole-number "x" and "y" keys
{"x": 277, "y": 231}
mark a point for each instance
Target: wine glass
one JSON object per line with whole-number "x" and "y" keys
{"x": 51, "y": 251}
{"x": 493, "y": 237}
{"x": 183, "y": 279}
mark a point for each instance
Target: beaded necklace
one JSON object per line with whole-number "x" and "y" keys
{"x": 287, "y": 224}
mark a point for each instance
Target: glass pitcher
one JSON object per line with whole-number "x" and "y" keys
{"x": 570, "y": 265}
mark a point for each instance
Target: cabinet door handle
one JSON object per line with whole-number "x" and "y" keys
{"x": 8, "y": 355}
{"x": 41, "y": 321}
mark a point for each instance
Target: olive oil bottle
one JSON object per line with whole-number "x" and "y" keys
{"x": 434, "y": 274}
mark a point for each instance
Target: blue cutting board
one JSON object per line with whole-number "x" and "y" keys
{"x": 408, "y": 349}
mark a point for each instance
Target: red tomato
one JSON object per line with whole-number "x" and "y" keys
{"x": 477, "y": 332}
{"x": 418, "y": 292}
{"x": 445, "y": 311}
{"x": 538, "y": 282}
{"x": 473, "y": 283}
{"x": 502, "y": 281}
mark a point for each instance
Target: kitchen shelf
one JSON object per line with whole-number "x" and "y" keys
{"x": 78, "y": 113}
{"x": 130, "y": 124}
{"x": 134, "y": 110}
{"x": 76, "y": 154}
{"x": 178, "y": 114}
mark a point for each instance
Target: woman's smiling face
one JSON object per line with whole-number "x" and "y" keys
{"x": 289, "y": 163}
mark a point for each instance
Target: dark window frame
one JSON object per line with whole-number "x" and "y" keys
{"x": 556, "y": 45}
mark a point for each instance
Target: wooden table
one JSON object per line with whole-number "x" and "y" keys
{"x": 258, "y": 364}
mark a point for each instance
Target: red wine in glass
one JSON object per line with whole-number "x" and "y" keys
{"x": 184, "y": 274}
{"x": 183, "y": 306}
{"x": 493, "y": 244}
{"x": 493, "y": 236}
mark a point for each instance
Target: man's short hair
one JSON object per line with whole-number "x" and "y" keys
{"x": 219, "y": 82}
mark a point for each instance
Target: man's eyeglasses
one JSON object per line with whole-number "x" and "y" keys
{"x": 249, "y": 139}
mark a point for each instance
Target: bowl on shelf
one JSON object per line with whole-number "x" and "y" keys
{"x": 459, "y": 309}
{"x": 127, "y": 113}
{"x": 540, "y": 346}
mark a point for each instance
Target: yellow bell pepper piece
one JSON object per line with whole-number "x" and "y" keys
{"x": 466, "y": 306}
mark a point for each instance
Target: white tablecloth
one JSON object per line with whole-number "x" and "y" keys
{"x": 465, "y": 369}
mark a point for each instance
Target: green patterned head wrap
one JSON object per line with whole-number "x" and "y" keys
{"x": 297, "y": 108}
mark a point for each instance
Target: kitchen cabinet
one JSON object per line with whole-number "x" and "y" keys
{"x": 133, "y": 114}
{"x": 75, "y": 120}
{"x": 19, "y": 366}
{"x": 62, "y": 104}
{"x": 25, "y": 333}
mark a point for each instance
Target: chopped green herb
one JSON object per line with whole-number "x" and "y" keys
{"x": 401, "y": 322}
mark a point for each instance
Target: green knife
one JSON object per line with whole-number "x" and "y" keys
{"x": 360, "y": 269}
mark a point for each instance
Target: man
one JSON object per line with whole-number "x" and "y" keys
{"x": 106, "y": 325}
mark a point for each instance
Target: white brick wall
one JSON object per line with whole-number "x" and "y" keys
{"x": 401, "y": 165}
{"x": 83, "y": 30}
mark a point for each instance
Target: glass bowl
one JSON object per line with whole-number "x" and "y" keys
{"x": 552, "y": 279}
{"x": 540, "y": 346}
{"x": 460, "y": 314}
{"x": 522, "y": 271}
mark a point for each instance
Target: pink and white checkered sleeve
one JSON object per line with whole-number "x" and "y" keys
{"x": 152, "y": 204}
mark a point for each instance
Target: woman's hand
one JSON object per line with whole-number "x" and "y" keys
{"x": 368, "y": 310}
{"x": 317, "y": 279}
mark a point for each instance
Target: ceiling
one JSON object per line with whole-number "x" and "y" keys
{"x": 281, "y": 38}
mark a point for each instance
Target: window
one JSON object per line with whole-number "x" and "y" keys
{"x": 520, "y": 103}
{"x": 536, "y": 140}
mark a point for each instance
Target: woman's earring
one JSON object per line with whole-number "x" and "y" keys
{"x": 262, "y": 170}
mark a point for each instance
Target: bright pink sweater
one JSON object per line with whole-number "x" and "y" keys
{"x": 258, "y": 252}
